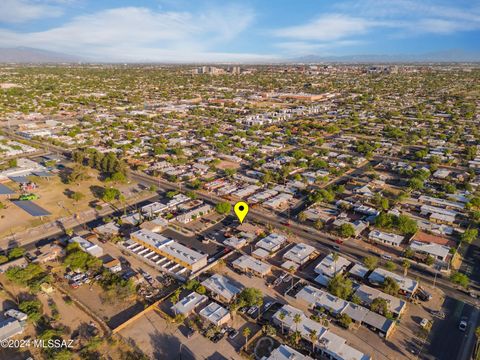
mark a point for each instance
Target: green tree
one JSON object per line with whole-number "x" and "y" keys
{"x": 16, "y": 253}
{"x": 297, "y": 319}
{"x": 246, "y": 333}
{"x": 390, "y": 286}
{"x": 460, "y": 279}
{"x": 406, "y": 225}
{"x": 223, "y": 207}
{"x": 77, "y": 196}
{"x": 390, "y": 265}
{"x": 469, "y": 235}
{"x": 380, "y": 306}
{"x": 345, "y": 321}
{"x": 110, "y": 194}
{"x": 346, "y": 230}
{"x": 313, "y": 336}
{"x": 250, "y": 297}
{"x": 340, "y": 286}
{"x": 405, "y": 265}
{"x": 371, "y": 262}
{"x": 32, "y": 308}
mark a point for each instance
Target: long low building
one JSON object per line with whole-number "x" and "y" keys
{"x": 408, "y": 286}
{"x": 437, "y": 251}
{"x": 249, "y": 264}
{"x": 316, "y": 298}
{"x": 169, "y": 248}
{"x": 9, "y": 328}
{"x": 285, "y": 352}
{"x": 367, "y": 294}
{"x": 330, "y": 346}
{"x": 385, "y": 238}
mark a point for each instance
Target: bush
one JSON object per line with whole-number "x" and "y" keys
{"x": 223, "y": 207}
{"x": 460, "y": 279}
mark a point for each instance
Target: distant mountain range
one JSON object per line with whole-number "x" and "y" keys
{"x": 37, "y": 56}
{"x": 439, "y": 56}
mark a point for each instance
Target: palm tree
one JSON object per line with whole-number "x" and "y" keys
{"x": 246, "y": 333}
{"x": 297, "y": 319}
{"x": 282, "y": 317}
{"x": 406, "y": 265}
{"x": 313, "y": 338}
{"x": 335, "y": 257}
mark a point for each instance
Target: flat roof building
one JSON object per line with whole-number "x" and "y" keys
{"x": 367, "y": 294}
{"x": 215, "y": 313}
{"x": 248, "y": 264}
{"x": 272, "y": 242}
{"x": 385, "y": 238}
{"x": 407, "y": 286}
{"x": 87, "y": 246}
{"x": 189, "y": 303}
{"x": 300, "y": 253}
{"x": 9, "y": 328}
{"x": 285, "y": 352}
{"x": 172, "y": 250}
{"x": 221, "y": 288}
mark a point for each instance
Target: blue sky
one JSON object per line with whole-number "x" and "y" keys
{"x": 247, "y": 30}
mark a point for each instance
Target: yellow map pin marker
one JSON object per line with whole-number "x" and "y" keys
{"x": 241, "y": 210}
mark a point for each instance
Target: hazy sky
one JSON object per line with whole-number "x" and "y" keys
{"x": 248, "y": 30}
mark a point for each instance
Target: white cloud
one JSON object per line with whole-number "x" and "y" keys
{"x": 326, "y": 28}
{"x": 18, "y": 11}
{"x": 137, "y": 33}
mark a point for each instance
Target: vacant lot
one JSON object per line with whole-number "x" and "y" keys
{"x": 162, "y": 340}
{"x": 54, "y": 197}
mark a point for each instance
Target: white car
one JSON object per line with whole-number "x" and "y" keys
{"x": 463, "y": 324}
{"x": 424, "y": 323}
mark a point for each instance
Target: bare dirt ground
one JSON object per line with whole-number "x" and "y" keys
{"x": 162, "y": 340}
{"x": 224, "y": 164}
{"x": 54, "y": 198}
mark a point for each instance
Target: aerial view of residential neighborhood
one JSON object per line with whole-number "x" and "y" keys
{"x": 187, "y": 181}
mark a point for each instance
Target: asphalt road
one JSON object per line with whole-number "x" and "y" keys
{"x": 446, "y": 341}
{"x": 320, "y": 240}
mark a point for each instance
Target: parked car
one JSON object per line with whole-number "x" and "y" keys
{"x": 232, "y": 334}
{"x": 438, "y": 314}
{"x": 423, "y": 295}
{"x": 463, "y": 324}
{"x": 386, "y": 257}
{"x": 424, "y": 323}
{"x": 252, "y": 310}
{"x": 190, "y": 332}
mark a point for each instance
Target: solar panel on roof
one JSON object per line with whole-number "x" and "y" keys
{"x": 5, "y": 190}
{"x": 19, "y": 179}
{"x": 31, "y": 208}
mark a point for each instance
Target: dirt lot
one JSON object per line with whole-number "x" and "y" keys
{"x": 162, "y": 340}
{"x": 113, "y": 313}
{"x": 54, "y": 198}
{"x": 224, "y": 164}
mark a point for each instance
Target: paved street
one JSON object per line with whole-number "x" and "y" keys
{"x": 447, "y": 342}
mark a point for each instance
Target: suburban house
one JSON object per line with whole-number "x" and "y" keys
{"x": 385, "y": 238}
{"x": 215, "y": 314}
{"x": 248, "y": 264}
{"x": 221, "y": 288}
{"x": 189, "y": 303}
